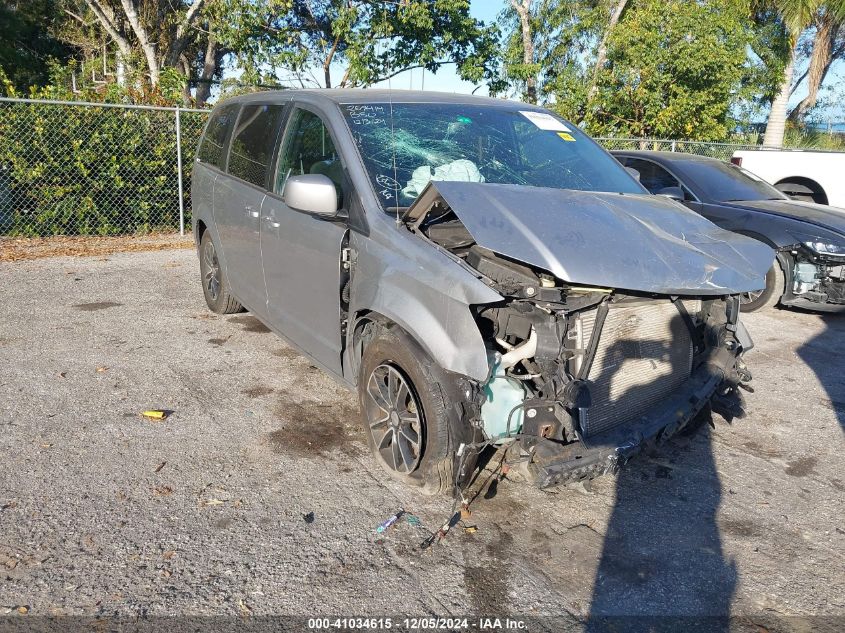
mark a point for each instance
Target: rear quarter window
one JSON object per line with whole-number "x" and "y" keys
{"x": 211, "y": 147}
{"x": 253, "y": 142}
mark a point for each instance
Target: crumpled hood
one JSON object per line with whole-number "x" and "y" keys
{"x": 633, "y": 242}
{"x": 831, "y": 218}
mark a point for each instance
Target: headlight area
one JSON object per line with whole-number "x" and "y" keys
{"x": 818, "y": 272}
{"x": 582, "y": 378}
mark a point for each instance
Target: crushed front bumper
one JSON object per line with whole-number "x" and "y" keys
{"x": 712, "y": 383}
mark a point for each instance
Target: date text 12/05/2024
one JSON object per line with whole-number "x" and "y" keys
{"x": 418, "y": 624}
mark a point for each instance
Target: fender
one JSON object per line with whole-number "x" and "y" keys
{"x": 426, "y": 294}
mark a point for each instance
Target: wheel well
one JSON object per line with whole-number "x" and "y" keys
{"x": 362, "y": 320}
{"x": 201, "y": 228}
{"x": 801, "y": 185}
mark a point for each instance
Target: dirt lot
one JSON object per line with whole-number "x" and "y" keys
{"x": 257, "y": 495}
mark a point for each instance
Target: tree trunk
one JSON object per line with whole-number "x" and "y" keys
{"x": 327, "y": 65}
{"x": 147, "y": 47}
{"x": 820, "y": 62}
{"x": 523, "y": 10}
{"x": 120, "y": 69}
{"x": 776, "y": 124}
{"x": 209, "y": 69}
{"x": 601, "y": 52}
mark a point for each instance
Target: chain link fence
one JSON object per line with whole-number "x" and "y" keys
{"x": 723, "y": 151}
{"x": 69, "y": 168}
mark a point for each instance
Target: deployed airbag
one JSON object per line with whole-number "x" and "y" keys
{"x": 458, "y": 170}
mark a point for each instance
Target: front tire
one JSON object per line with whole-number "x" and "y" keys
{"x": 769, "y": 296}
{"x": 405, "y": 411}
{"x": 215, "y": 285}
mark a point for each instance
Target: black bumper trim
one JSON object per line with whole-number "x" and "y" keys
{"x": 608, "y": 452}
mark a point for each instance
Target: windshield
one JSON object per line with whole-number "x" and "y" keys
{"x": 432, "y": 141}
{"x": 724, "y": 182}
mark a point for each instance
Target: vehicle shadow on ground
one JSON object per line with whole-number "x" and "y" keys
{"x": 821, "y": 354}
{"x": 662, "y": 566}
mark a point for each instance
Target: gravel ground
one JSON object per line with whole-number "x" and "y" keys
{"x": 257, "y": 495}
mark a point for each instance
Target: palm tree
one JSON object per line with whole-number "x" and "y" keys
{"x": 797, "y": 16}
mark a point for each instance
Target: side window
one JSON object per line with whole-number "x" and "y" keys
{"x": 308, "y": 149}
{"x": 211, "y": 149}
{"x": 253, "y": 142}
{"x": 652, "y": 176}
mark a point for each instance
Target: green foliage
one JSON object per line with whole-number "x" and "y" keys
{"x": 808, "y": 138}
{"x": 385, "y": 37}
{"x": 675, "y": 67}
{"x": 27, "y": 42}
{"x": 90, "y": 170}
{"x": 369, "y": 39}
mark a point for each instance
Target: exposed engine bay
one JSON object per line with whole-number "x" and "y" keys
{"x": 816, "y": 279}
{"x": 583, "y": 377}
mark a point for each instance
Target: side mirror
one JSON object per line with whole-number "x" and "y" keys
{"x": 311, "y": 193}
{"x": 673, "y": 193}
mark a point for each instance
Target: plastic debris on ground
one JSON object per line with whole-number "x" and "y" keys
{"x": 156, "y": 414}
{"x": 386, "y": 525}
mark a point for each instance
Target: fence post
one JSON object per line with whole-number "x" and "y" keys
{"x": 673, "y": 146}
{"x": 179, "y": 169}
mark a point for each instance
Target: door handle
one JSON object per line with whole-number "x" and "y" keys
{"x": 249, "y": 211}
{"x": 271, "y": 222}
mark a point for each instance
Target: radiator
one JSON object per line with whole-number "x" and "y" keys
{"x": 644, "y": 354}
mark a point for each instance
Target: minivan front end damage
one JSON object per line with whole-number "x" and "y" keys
{"x": 582, "y": 382}
{"x": 584, "y": 376}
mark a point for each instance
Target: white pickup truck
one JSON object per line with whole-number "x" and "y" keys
{"x": 812, "y": 176}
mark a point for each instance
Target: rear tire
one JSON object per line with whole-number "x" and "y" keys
{"x": 215, "y": 285}
{"x": 401, "y": 399}
{"x": 770, "y": 295}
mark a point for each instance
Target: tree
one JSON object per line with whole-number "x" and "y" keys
{"x": 28, "y": 42}
{"x": 797, "y": 16}
{"x": 674, "y": 69}
{"x": 529, "y": 66}
{"x": 561, "y": 34}
{"x": 373, "y": 40}
{"x": 160, "y": 29}
{"x": 617, "y": 8}
{"x": 827, "y": 46}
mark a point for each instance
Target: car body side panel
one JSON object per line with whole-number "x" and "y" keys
{"x": 776, "y": 229}
{"x": 237, "y": 208}
{"x": 407, "y": 280}
{"x": 202, "y": 197}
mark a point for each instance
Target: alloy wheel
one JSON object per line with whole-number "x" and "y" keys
{"x": 211, "y": 276}
{"x": 394, "y": 419}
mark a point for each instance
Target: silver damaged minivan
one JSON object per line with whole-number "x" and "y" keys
{"x": 480, "y": 270}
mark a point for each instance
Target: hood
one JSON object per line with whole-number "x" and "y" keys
{"x": 634, "y": 242}
{"x": 830, "y": 218}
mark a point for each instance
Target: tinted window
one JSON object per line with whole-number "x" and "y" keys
{"x": 211, "y": 148}
{"x": 652, "y": 176}
{"x": 405, "y": 145}
{"x": 308, "y": 149}
{"x": 253, "y": 142}
{"x": 724, "y": 182}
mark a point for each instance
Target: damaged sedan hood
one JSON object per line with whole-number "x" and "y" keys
{"x": 634, "y": 242}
